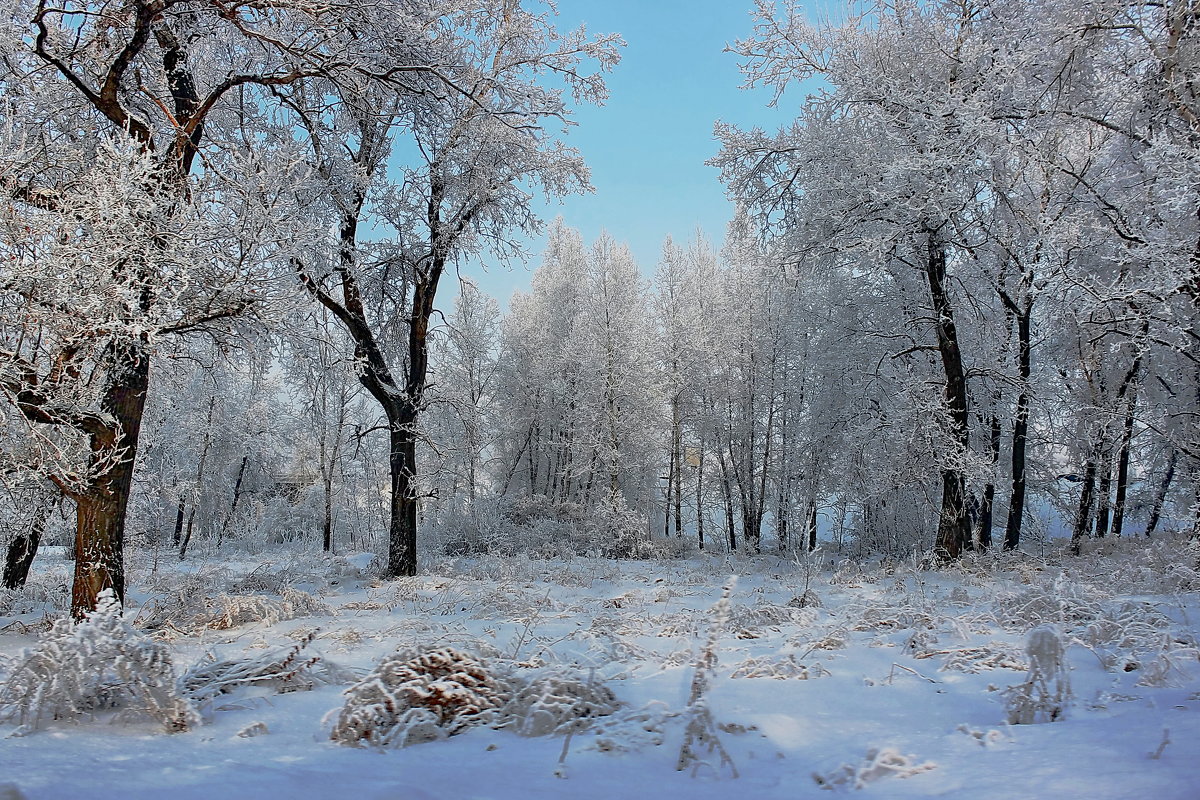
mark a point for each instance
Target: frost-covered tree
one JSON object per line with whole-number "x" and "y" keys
{"x": 466, "y": 150}
{"x": 142, "y": 201}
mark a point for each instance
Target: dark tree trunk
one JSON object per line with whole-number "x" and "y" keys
{"x": 23, "y": 549}
{"x": 1104, "y": 491}
{"x": 1118, "y": 524}
{"x": 953, "y": 522}
{"x": 237, "y": 495}
{"x": 679, "y": 459}
{"x": 177, "y": 537}
{"x": 983, "y": 531}
{"x": 700, "y": 497}
{"x": 727, "y": 491}
{"x": 1020, "y": 435}
{"x": 400, "y": 403}
{"x": 1083, "y": 514}
{"x": 101, "y": 508}
{"x": 812, "y": 525}
{"x": 402, "y": 536}
{"x": 1160, "y": 498}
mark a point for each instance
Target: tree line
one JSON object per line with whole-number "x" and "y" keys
{"x": 961, "y": 287}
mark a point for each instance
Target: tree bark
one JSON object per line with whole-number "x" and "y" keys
{"x": 812, "y": 525}
{"x": 983, "y": 531}
{"x": 1083, "y": 514}
{"x": 1020, "y": 435}
{"x": 101, "y": 508}
{"x": 177, "y": 536}
{"x": 953, "y": 523}
{"x": 237, "y": 495}
{"x": 23, "y": 549}
{"x": 1160, "y": 498}
{"x": 1118, "y": 523}
{"x": 402, "y": 536}
{"x": 1104, "y": 490}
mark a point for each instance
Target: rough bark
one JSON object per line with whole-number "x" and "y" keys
{"x": 102, "y": 506}
{"x": 1083, "y": 514}
{"x": 1020, "y": 435}
{"x": 1104, "y": 490}
{"x": 1118, "y": 522}
{"x": 1160, "y": 497}
{"x": 983, "y": 530}
{"x": 953, "y": 522}
{"x": 23, "y": 549}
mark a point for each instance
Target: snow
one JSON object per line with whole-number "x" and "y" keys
{"x": 878, "y": 705}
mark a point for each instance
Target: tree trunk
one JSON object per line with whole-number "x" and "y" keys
{"x": 23, "y": 549}
{"x": 727, "y": 490}
{"x": 1164, "y": 487}
{"x": 953, "y": 523}
{"x": 1083, "y": 515}
{"x": 177, "y": 537}
{"x": 677, "y": 423}
{"x": 187, "y": 537}
{"x": 402, "y": 536}
{"x": 1104, "y": 490}
{"x": 812, "y": 525}
{"x": 237, "y": 495}
{"x": 102, "y": 506}
{"x": 1016, "y": 502}
{"x": 983, "y": 531}
{"x": 1118, "y": 524}
{"x": 700, "y": 497}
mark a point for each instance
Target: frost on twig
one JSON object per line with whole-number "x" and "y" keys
{"x": 880, "y": 763}
{"x": 557, "y": 701}
{"x": 701, "y": 732}
{"x": 1046, "y": 691}
{"x": 281, "y": 672}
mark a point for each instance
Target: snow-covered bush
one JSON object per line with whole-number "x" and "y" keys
{"x": 417, "y": 695}
{"x": 780, "y": 668}
{"x": 424, "y": 694}
{"x": 188, "y": 611}
{"x": 1171, "y": 664}
{"x": 879, "y": 763}
{"x": 632, "y": 729}
{"x": 1046, "y": 691}
{"x": 989, "y": 656}
{"x": 281, "y": 672}
{"x": 557, "y": 701}
{"x": 546, "y": 529}
{"x": 31, "y": 598}
{"x": 87, "y": 668}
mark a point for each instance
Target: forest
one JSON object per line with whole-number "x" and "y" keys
{"x": 934, "y": 388}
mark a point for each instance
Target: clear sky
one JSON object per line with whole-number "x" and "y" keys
{"x": 647, "y": 146}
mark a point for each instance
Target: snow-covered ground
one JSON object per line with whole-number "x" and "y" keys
{"x": 884, "y": 679}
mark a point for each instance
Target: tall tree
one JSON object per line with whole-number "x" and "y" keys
{"x": 470, "y": 153}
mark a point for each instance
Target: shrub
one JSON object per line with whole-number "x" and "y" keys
{"x": 1044, "y": 695}
{"x": 880, "y": 763}
{"x": 99, "y": 664}
{"x": 557, "y": 701}
{"x": 282, "y": 672}
{"x": 417, "y": 695}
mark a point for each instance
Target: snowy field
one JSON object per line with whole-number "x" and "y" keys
{"x": 885, "y": 680}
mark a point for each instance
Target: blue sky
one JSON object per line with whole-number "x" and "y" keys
{"x": 647, "y": 146}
